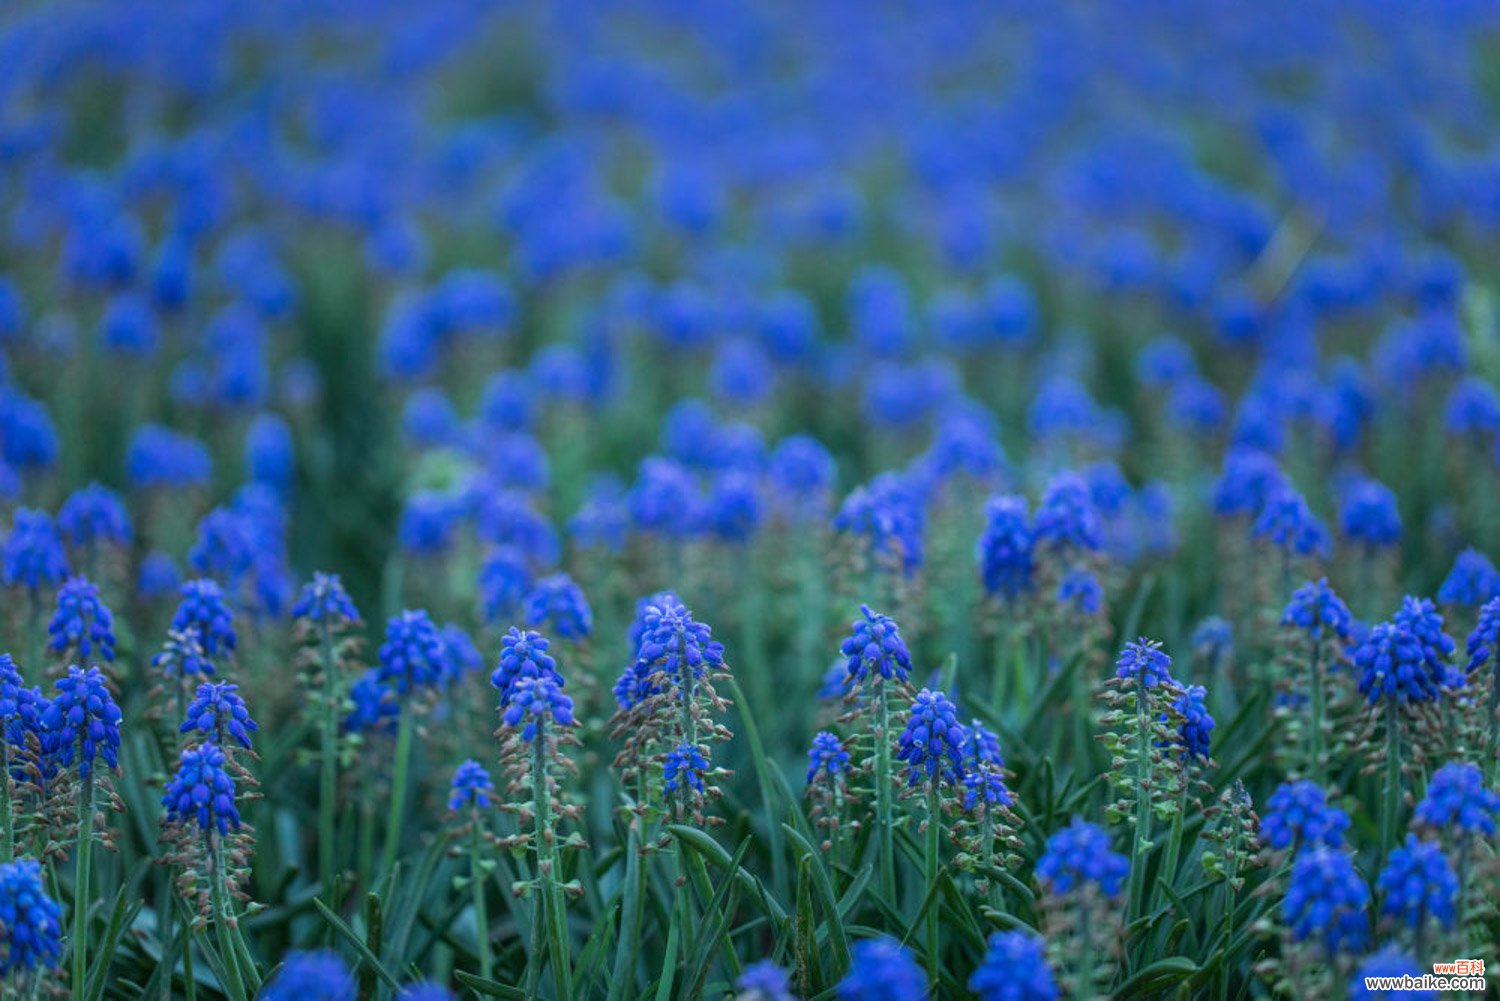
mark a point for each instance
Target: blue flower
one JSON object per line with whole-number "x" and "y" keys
{"x": 1213, "y": 641}
{"x": 1418, "y": 883}
{"x": 1473, "y": 408}
{"x": 504, "y": 581}
{"x": 881, "y": 969}
{"x": 1144, "y": 660}
{"x": 82, "y": 622}
{"x": 558, "y": 603}
{"x": 981, "y": 746}
{"x": 1400, "y": 659}
{"x": 522, "y": 655}
{"x": 1327, "y": 901}
{"x": 1014, "y": 968}
{"x": 84, "y": 716}
{"x": 471, "y": 787}
{"x": 664, "y": 499}
{"x": 218, "y": 711}
{"x": 1066, "y": 519}
{"x": 202, "y": 792}
{"x": 764, "y": 981}
{"x": 1368, "y": 515}
{"x": 932, "y": 744}
{"x": 1485, "y": 637}
{"x": 1081, "y": 591}
{"x": 159, "y": 457}
{"x": 1389, "y": 962}
{"x": 1316, "y": 609}
{"x": 875, "y": 647}
{"x": 1250, "y": 479}
{"x": 1298, "y": 814}
{"x": 827, "y": 757}
{"x": 1197, "y": 727}
{"x": 33, "y": 553}
{"x": 602, "y": 518}
{"x": 428, "y": 523}
{"x": 1473, "y": 580}
{"x": 204, "y": 612}
{"x": 886, "y": 513}
{"x": 413, "y": 655}
{"x": 94, "y": 515}
{"x": 535, "y": 700}
{"x": 158, "y": 575}
{"x": 1080, "y": 855}
{"x": 1457, "y": 798}
{"x": 270, "y": 454}
{"x": 1005, "y": 547}
{"x": 684, "y": 766}
{"x": 1286, "y": 523}
{"x": 324, "y": 601}
{"x": 374, "y": 704}
{"x": 310, "y": 976}
{"x": 801, "y": 472}
{"x": 734, "y": 508}
{"x": 670, "y": 638}
{"x": 30, "y": 921}
{"x": 28, "y": 441}
{"x": 182, "y": 655}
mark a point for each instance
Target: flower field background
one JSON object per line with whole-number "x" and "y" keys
{"x": 662, "y": 500}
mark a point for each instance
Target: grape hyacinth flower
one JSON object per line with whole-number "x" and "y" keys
{"x": 881, "y": 969}
{"x": 1472, "y": 582}
{"x": 557, "y": 602}
{"x": 1082, "y": 879}
{"x": 202, "y": 792}
{"x": 828, "y": 784}
{"x": 310, "y": 976}
{"x": 1298, "y": 814}
{"x": 470, "y": 795}
{"x": 91, "y": 519}
{"x": 83, "y": 623}
{"x": 1368, "y": 516}
{"x": 1458, "y": 802}
{"x": 1004, "y": 550}
{"x": 932, "y": 742}
{"x": 763, "y": 981}
{"x": 1327, "y": 902}
{"x": 522, "y": 655}
{"x": 1390, "y": 962}
{"x": 204, "y": 610}
{"x": 412, "y": 657}
{"x": 471, "y": 787}
{"x": 504, "y": 582}
{"x": 30, "y": 927}
{"x": 1014, "y": 968}
{"x": 876, "y": 659}
{"x": 1319, "y": 623}
{"x": 536, "y": 723}
{"x": 220, "y": 715}
{"x": 33, "y": 554}
{"x": 1289, "y": 526}
{"x": 1196, "y": 726}
{"x": 86, "y": 721}
{"x": 1418, "y": 884}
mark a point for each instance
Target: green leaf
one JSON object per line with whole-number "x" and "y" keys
{"x": 489, "y": 988}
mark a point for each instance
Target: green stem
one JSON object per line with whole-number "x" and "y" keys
{"x": 1141, "y": 844}
{"x": 1167, "y": 877}
{"x": 550, "y": 914}
{"x": 328, "y": 792}
{"x": 398, "y": 786}
{"x": 1315, "y": 725}
{"x": 1392, "y": 778}
{"x": 883, "y": 795}
{"x": 622, "y": 979}
{"x": 934, "y": 869}
{"x": 477, "y": 881}
{"x": 228, "y": 953}
{"x": 82, "y": 886}
{"x": 7, "y": 821}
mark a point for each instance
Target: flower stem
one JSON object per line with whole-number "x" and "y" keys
{"x": 934, "y": 868}
{"x": 398, "y": 787}
{"x": 82, "y": 886}
{"x": 7, "y": 821}
{"x": 235, "y": 987}
{"x": 328, "y": 790}
{"x": 1141, "y": 844}
{"x": 1392, "y": 778}
{"x": 550, "y": 914}
{"x": 1315, "y": 725}
{"x": 477, "y": 885}
{"x": 883, "y": 795}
